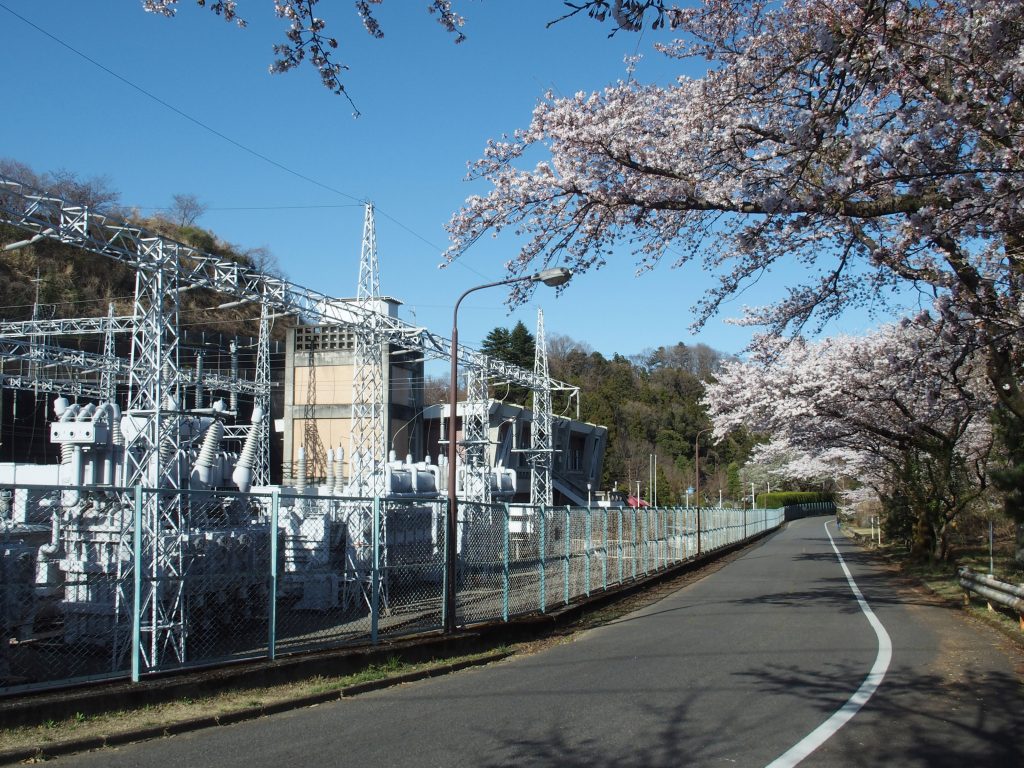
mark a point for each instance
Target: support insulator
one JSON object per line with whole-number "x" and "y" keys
{"x": 234, "y": 376}
{"x": 199, "y": 381}
{"x": 339, "y": 471}
{"x": 243, "y": 469}
{"x": 300, "y": 471}
{"x": 208, "y": 453}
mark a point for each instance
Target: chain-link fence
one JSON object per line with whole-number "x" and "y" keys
{"x": 65, "y": 600}
{"x": 115, "y": 582}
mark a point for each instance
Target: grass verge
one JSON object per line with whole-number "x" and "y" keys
{"x": 941, "y": 578}
{"x": 227, "y": 705}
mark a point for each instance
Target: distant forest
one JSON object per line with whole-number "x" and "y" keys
{"x": 650, "y": 403}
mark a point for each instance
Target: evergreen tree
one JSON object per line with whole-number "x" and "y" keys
{"x": 517, "y": 347}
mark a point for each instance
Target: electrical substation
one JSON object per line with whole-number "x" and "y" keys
{"x": 156, "y": 531}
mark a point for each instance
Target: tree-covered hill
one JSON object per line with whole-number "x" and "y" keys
{"x": 54, "y": 280}
{"x": 650, "y": 403}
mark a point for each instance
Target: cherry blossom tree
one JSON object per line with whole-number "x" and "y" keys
{"x": 306, "y": 38}
{"x": 904, "y": 409}
{"x": 824, "y": 467}
{"x": 875, "y": 143}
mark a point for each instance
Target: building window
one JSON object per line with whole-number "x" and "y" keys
{"x": 575, "y": 460}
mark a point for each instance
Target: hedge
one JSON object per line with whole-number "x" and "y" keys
{"x": 778, "y": 499}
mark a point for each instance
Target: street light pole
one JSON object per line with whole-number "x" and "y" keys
{"x": 552, "y": 277}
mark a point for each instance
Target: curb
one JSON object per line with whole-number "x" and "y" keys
{"x": 91, "y": 743}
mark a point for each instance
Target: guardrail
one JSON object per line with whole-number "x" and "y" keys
{"x": 1010, "y": 596}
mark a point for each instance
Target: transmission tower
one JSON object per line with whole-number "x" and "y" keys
{"x": 108, "y": 379}
{"x": 261, "y": 467}
{"x": 367, "y": 448}
{"x": 316, "y": 456}
{"x": 152, "y": 453}
{"x": 541, "y": 444}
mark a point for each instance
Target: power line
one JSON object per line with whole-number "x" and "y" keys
{"x": 237, "y": 144}
{"x": 256, "y": 207}
{"x": 180, "y": 112}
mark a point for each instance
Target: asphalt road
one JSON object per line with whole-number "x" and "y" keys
{"x": 735, "y": 669}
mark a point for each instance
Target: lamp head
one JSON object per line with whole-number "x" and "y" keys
{"x": 552, "y": 277}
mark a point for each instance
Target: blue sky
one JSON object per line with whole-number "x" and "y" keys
{"x": 428, "y": 107}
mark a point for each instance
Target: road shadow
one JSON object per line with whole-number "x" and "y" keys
{"x": 974, "y": 718}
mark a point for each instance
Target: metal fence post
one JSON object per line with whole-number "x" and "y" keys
{"x": 375, "y": 584}
{"x": 645, "y": 540}
{"x": 674, "y": 524}
{"x": 633, "y": 558}
{"x": 662, "y": 538}
{"x": 590, "y": 543}
{"x": 275, "y": 510}
{"x": 619, "y": 517}
{"x": 568, "y": 552}
{"x": 604, "y": 560}
{"x": 137, "y": 586}
{"x": 698, "y": 530}
{"x": 543, "y": 557}
{"x": 446, "y": 570}
{"x": 505, "y": 584}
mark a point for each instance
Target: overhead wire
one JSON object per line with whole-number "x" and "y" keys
{"x": 224, "y": 137}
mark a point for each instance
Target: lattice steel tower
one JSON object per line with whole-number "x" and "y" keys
{"x": 367, "y": 448}
{"x": 541, "y": 443}
{"x": 261, "y": 467}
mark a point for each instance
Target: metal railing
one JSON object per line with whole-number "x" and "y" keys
{"x": 1009, "y": 596}
{"x": 90, "y": 588}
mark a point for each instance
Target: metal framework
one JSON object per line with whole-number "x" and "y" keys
{"x": 155, "y": 380}
{"x": 78, "y": 326}
{"x": 315, "y": 456}
{"x": 54, "y": 218}
{"x": 90, "y": 363}
{"x": 475, "y": 422}
{"x": 367, "y": 446}
{"x": 261, "y": 465}
{"x": 50, "y": 217}
{"x": 108, "y": 379}
{"x": 37, "y": 383}
{"x": 541, "y": 442}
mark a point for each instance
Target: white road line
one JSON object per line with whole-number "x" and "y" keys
{"x": 845, "y": 713}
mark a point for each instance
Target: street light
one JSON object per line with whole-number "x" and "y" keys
{"x": 551, "y": 277}
{"x": 696, "y": 472}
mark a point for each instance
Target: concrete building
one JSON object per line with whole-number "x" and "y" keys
{"x": 577, "y": 460}
{"x": 317, "y": 415}
{"x": 319, "y": 368}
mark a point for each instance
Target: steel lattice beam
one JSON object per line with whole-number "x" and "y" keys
{"x": 35, "y": 212}
{"x": 90, "y": 362}
{"x": 76, "y": 387}
{"x": 77, "y": 326}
